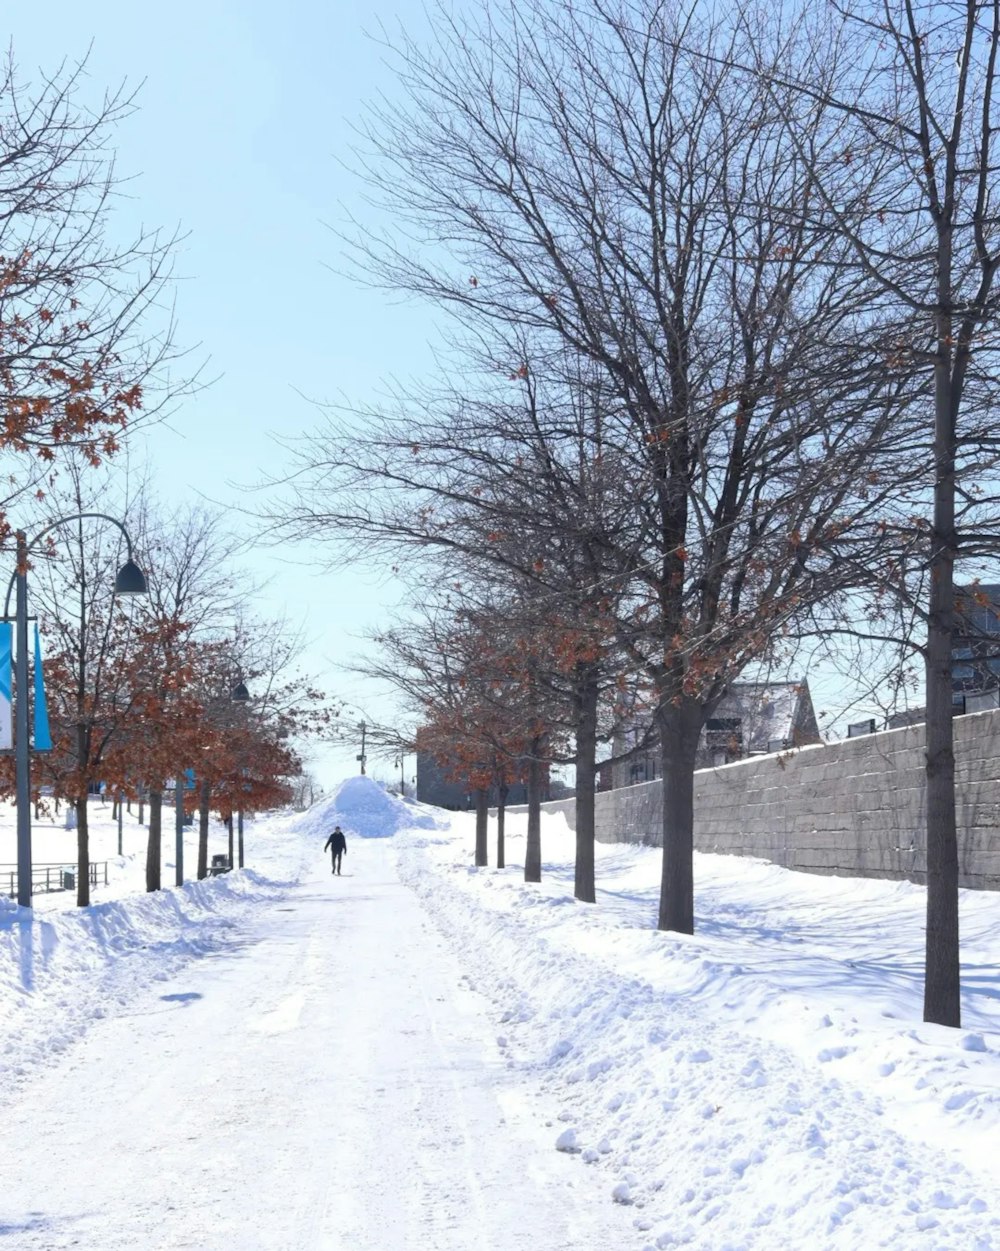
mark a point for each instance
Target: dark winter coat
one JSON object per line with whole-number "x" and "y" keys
{"x": 337, "y": 842}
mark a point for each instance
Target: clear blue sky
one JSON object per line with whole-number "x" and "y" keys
{"x": 244, "y": 117}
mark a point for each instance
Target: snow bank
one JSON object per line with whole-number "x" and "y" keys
{"x": 365, "y": 809}
{"x": 764, "y": 1084}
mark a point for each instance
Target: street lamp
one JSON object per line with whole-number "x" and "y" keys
{"x": 130, "y": 581}
{"x": 240, "y": 695}
{"x": 401, "y": 765}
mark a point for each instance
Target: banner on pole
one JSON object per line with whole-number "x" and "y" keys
{"x": 6, "y": 670}
{"x": 43, "y": 739}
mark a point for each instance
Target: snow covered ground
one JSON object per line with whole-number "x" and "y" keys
{"x": 421, "y": 1054}
{"x": 52, "y": 843}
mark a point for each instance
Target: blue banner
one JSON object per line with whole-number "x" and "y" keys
{"x": 6, "y": 705}
{"x": 43, "y": 739}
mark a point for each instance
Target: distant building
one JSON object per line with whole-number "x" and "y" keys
{"x": 434, "y": 786}
{"x": 975, "y": 645}
{"x": 558, "y": 789}
{"x": 907, "y": 716}
{"x": 751, "y": 718}
{"x": 975, "y": 655}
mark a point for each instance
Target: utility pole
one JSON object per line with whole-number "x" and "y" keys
{"x": 362, "y": 757}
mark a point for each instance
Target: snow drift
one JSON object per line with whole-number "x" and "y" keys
{"x": 365, "y": 809}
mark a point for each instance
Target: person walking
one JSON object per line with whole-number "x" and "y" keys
{"x": 337, "y": 844}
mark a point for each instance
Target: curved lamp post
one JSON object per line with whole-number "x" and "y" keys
{"x": 130, "y": 581}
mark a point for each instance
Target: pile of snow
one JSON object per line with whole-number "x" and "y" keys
{"x": 360, "y": 806}
{"x": 764, "y": 1083}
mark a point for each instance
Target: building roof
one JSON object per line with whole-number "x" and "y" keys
{"x": 767, "y": 711}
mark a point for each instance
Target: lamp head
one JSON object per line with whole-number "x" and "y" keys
{"x": 130, "y": 580}
{"x": 239, "y": 693}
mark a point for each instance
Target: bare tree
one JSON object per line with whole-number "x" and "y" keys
{"x": 611, "y": 191}
{"x": 85, "y": 347}
{"x": 306, "y": 791}
{"x": 904, "y": 95}
{"x": 248, "y": 748}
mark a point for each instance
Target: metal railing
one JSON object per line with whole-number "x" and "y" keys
{"x": 50, "y": 876}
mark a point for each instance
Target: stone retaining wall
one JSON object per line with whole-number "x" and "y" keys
{"x": 855, "y": 807}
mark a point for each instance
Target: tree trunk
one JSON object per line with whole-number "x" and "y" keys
{"x": 153, "y": 843}
{"x": 680, "y": 726}
{"x": 482, "y": 813}
{"x": 204, "y": 797}
{"x": 942, "y": 1003}
{"x": 502, "y": 789}
{"x": 942, "y": 976}
{"x": 584, "y": 887}
{"x": 82, "y": 854}
{"x": 142, "y": 803}
{"x": 232, "y": 849}
{"x": 533, "y": 848}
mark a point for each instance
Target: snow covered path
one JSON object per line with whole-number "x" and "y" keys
{"x": 425, "y": 1055}
{"x": 325, "y": 1080}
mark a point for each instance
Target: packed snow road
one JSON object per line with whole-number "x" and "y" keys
{"x": 327, "y": 1080}
{"x": 421, "y": 1054}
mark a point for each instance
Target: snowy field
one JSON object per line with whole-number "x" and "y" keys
{"x": 52, "y": 843}
{"x": 425, "y": 1055}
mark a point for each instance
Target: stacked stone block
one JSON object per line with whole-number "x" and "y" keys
{"x": 854, "y": 807}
